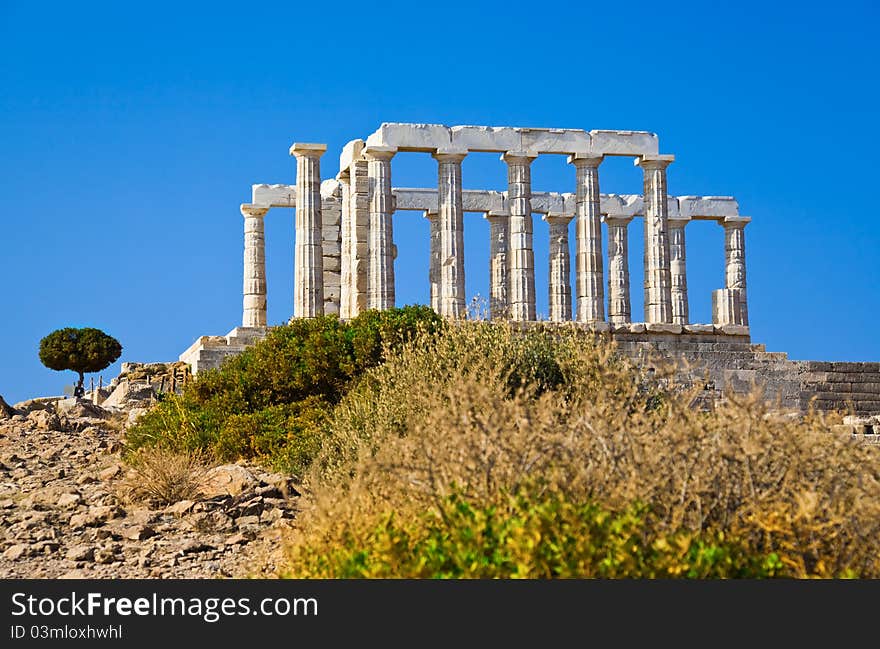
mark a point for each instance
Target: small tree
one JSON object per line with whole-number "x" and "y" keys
{"x": 80, "y": 350}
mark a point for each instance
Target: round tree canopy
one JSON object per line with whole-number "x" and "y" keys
{"x": 80, "y": 350}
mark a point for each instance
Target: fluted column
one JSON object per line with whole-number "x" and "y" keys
{"x": 308, "y": 287}
{"x": 521, "y": 255}
{"x": 588, "y": 238}
{"x": 359, "y": 209}
{"x": 451, "y": 223}
{"x": 678, "y": 271}
{"x": 560, "y": 268}
{"x": 254, "y": 302}
{"x": 434, "y": 259}
{"x": 499, "y": 233}
{"x": 344, "y": 178}
{"x": 658, "y": 281}
{"x": 729, "y": 305}
{"x": 619, "y": 310}
{"x": 380, "y": 287}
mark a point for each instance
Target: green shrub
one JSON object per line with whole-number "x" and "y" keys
{"x": 269, "y": 402}
{"x": 530, "y": 535}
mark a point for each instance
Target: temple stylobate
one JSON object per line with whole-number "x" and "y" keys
{"x": 344, "y": 252}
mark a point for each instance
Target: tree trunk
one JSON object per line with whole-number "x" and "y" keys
{"x": 79, "y": 392}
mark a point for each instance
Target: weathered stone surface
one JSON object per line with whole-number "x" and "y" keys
{"x": 6, "y": 410}
{"x": 228, "y": 479}
{"x": 44, "y": 420}
{"x": 66, "y": 520}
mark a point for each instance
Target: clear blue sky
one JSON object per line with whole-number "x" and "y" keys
{"x": 131, "y": 132}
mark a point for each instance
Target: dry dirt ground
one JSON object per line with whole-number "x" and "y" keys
{"x": 65, "y": 512}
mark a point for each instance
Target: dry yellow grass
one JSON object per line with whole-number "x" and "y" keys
{"x": 448, "y": 414}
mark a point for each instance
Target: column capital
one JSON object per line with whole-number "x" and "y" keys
{"x": 249, "y": 210}
{"x": 617, "y": 219}
{"x": 307, "y": 149}
{"x": 449, "y": 155}
{"x": 735, "y": 221}
{"x": 585, "y": 159}
{"x": 679, "y": 221}
{"x": 649, "y": 161}
{"x": 431, "y": 214}
{"x": 344, "y": 175}
{"x": 379, "y": 152}
{"x": 518, "y": 157}
{"x": 557, "y": 218}
{"x": 495, "y": 215}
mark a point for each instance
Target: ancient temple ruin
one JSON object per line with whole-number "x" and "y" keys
{"x": 344, "y": 252}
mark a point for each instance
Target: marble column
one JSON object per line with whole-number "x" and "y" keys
{"x": 254, "y": 302}
{"x": 619, "y": 310}
{"x": 451, "y": 224}
{"x": 359, "y": 213}
{"x": 521, "y": 255}
{"x": 560, "y": 268}
{"x": 344, "y": 179}
{"x": 729, "y": 305}
{"x": 434, "y": 259}
{"x": 588, "y": 237}
{"x": 380, "y": 285}
{"x": 308, "y": 286}
{"x": 658, "y": 281}
{"x": 499, "y": 233}
{"x": 678, "y": 271}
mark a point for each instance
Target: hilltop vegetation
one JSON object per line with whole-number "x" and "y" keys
{"x": 476, "y": 449}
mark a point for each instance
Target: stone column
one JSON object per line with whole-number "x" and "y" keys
{"x": 619, "y": 310}
{"x": 308, "y": 286}
{"x": 521, "y": 255}
{"x": 451, "y": 223}
{"x": 359, "y": 194}
{"x": 380, "y": 286}
{"x": 344, "y": 179}
{"x": 434, "y": 259}
{"x": 678, "y": 271}
{"x": 254, "y": 307}
{"x": 560, "y": 268}
{"x": 499, "y": 233}
{"x": 658, "y": 281}
{"x": 588, "y": 237}
{"x": 729, "y": 305}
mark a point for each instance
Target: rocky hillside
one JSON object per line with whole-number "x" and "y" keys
{"x": 66, "y": 505}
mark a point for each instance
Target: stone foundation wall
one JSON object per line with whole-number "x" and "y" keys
{"x": 722, "y": 363}
{"x": 733, "y": 365}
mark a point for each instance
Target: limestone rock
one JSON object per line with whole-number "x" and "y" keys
{"x": 44, "y": 420}
{"x": 6, "y": 410}
{"x": 17, "y": 551}
{"x": 80, "y": 408}
{"x": 138, "y": 532}
{"x": 227, "y": 479}
{"x": 80, "y": 552}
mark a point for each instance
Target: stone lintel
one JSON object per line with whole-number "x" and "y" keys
{"x": 429, "y": 137}
{"x": 307, "y": 149}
